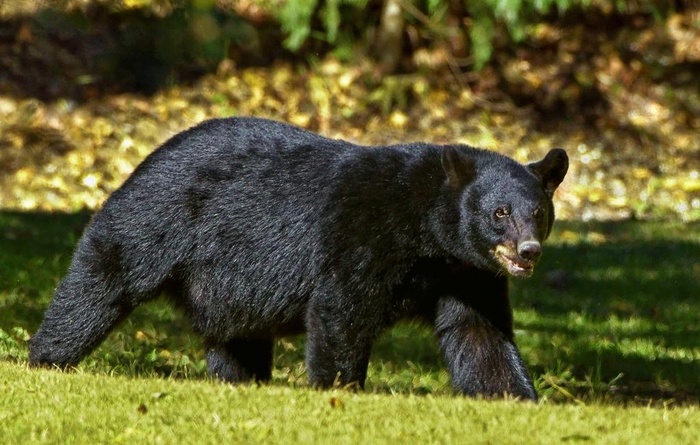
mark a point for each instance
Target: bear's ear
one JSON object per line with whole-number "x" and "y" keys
{"x": 459, "y": 168}
{"x": 551, "y": 170}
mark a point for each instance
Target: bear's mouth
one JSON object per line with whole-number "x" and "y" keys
{"x": 512, "y": 263}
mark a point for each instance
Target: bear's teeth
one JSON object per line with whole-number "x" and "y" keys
{"x": 514, "y": 267}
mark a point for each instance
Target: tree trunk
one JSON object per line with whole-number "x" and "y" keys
{"x": 389, "y": 43}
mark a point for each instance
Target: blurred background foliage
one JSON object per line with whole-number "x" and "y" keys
{"x": 89, "y": 87}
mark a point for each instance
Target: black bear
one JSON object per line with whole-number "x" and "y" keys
{"x": 258, "y": 230}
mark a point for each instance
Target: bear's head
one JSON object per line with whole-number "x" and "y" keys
{"x": 502, "y": 211}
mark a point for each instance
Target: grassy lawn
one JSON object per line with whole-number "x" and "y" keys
{"x": 45, "y": 406}
{"x": 608, "y": 326}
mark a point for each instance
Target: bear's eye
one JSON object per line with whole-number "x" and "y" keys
{"x": 538, "y": 213}
{"x": 502, "y": 212}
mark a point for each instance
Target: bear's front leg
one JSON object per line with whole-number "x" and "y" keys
{"x": 339, "y": 342}
{"x": 476, "y": 339}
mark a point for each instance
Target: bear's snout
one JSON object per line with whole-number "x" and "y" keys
{"x": 518, "y": 260}
{"x": 530, "y": 250}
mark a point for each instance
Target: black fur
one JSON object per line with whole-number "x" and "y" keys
{"x": 258, "y": 230}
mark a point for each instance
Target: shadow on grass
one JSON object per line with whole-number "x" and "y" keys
{"x": 617, "y": 302}
{"x": 35, "y": 250}
{"x": 608, "y": 299}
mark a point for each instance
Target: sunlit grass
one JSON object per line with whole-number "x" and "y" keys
{"x": 41, "y": 406}
{"x": 608, "y": 321}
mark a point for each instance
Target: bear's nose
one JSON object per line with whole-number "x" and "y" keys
{"x": 529, "y": 250}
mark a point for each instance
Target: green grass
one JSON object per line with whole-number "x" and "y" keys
{"x": 608, "y": 326}
{"x": 46, "y": 406}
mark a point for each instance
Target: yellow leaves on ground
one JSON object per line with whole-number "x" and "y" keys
{"x": 398, "y": 119}
{"x": 67, "y": 156}
{"x": 577, "y": 237}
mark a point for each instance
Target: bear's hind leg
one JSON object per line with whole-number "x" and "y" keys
{"x": 241, "y": 360}
{"x": 83, "y": 311}
{"x": 339, "y": 344}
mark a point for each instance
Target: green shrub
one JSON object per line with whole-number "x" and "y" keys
{"x": 297, "y": 18}
{"x": 326, "y": 20}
